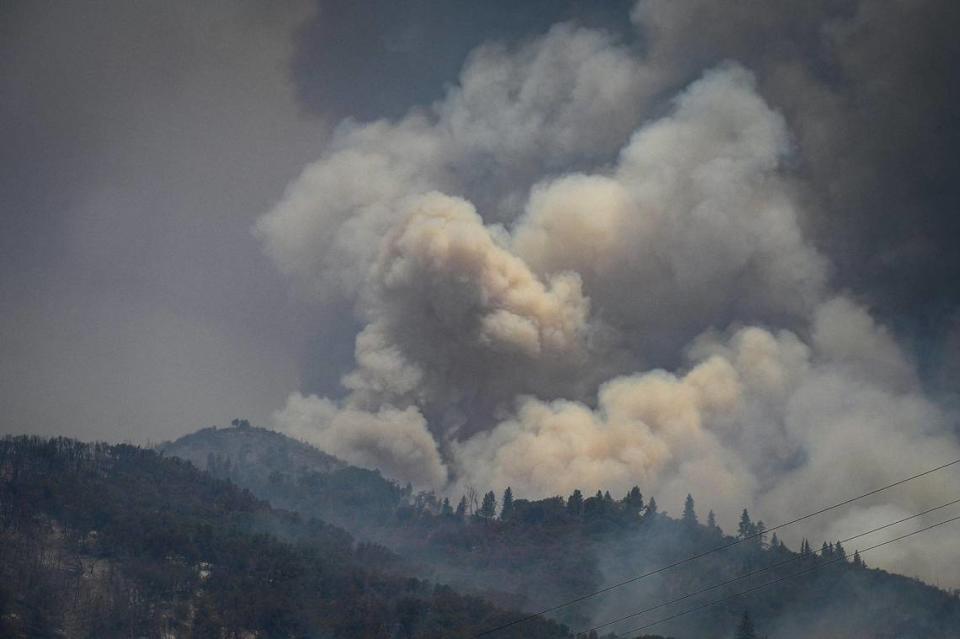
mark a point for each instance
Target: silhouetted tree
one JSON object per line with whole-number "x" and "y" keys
{"x": 760, "y": 530}
{"x": 652, "y": 507}
{"x": 445, "y": 508}
{"x": 506, "y": 510}
{"x": 712, "y": 521}
{"x": 746, "y": 528}
{"x": 634, "y": 499}
{"x": 575, "y": 503}
{"x": 473, "y": 500}
{"x": 839, "y": 552}
{"x": 462, "y": 507}
{"x": 689, "y": 517}
{"x": 488, "y": 509}
{"x": 857, "y": 560}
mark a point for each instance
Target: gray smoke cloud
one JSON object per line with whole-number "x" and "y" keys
{"x": 567, "y": 281}
{"x": 867, "y": 87}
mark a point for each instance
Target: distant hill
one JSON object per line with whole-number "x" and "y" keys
{"x": 293, "y": 475}
{"x": 105, "y": 541}
{"x": 252, "y": 448}
{"x": 538, "y": 553}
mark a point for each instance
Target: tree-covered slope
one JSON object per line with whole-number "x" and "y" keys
{"x": 292, "y": 474}
{"x": 251, "y": 449}
{"x": 116, "y": 541}
{"x": 537, "y": 553}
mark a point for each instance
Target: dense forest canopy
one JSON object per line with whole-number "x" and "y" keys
{"x": 102, "y": 540}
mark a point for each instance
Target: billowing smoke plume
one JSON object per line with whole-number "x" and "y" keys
{"x": 565, "y": 283}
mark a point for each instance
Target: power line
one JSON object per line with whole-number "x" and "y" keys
{"x": 708, "y": 552}
{"x": 784, "y": 578}
{"x": 758, "y": 571}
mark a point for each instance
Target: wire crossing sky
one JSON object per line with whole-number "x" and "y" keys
{"x": 733, "y": 543}
{"x": 797, "y": 557}
{"x": 791, "y": 576}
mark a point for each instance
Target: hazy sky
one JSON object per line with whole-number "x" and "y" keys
{"x": 143, "y": 140}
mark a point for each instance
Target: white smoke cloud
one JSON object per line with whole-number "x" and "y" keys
{"x": 475, "y": 306}
{"x": 643, "y": 427}
{"x": 394, "y": 441}
{"x": 695, "y": 227}
{"x": 570, "y": 96}
{"x": 518, "y": 278}
{"x": 759, "y": 420}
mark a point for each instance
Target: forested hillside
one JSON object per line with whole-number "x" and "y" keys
{"x": 537, "y": 553}
{"x": 102, "y": 540}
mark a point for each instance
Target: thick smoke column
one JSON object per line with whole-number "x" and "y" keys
{"x": 561, "y": 290}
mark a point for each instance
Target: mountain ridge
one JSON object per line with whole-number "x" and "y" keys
{"x": 547, "y": 550}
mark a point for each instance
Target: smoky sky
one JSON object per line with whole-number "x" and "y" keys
{"x": 142, "y": 142}
{"x": 880, "y": 152}
{"x": 375, "y": 59}
{"x": 870, "y": 89}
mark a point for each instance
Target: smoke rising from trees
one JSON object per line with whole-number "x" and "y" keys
{"x": 565, "y": 280}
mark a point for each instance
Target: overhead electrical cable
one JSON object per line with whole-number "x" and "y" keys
{"x": 784, "y": 578}
{"x": 740, "y": 540}
{"x": 795, "y": 558}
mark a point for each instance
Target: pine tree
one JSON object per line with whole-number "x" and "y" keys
{"x": 711, "y": 521}
{"x": 826, "y": 551}
{"x": 462, "y": 507}
{"x": 805, "y": 549}
{"x": 746, "y": 528}
{"x": 760, "y": 530}
{"x": 634, "y": 499}
{"x": 745, "y": 628}
{"x": 488, "y": 509}
{"x": 445, "y": 508}
{"x": 506, "y": 510}
{"x": 775, "y": 542}
{"x": 689, "y": 517}
{"x": 652, "y": 507}
{"x": 839, "y": 552}
{"x": 575, "y": 503}
{"x": 857, "y": 560}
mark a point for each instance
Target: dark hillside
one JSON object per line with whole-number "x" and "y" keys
{"x": 251, "y": 448}
{"x": 294, "y": 475}
{"x": 116, "y": 541}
